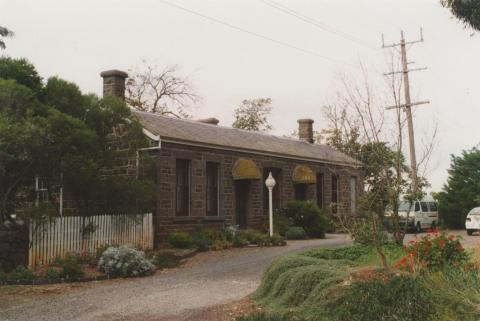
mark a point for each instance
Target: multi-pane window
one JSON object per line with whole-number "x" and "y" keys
{"x": 276, "y": 173}
{"x": 212, "y": 189}
{"x": 334, "y": 193}
{"x": 182, "y": 187}
{"x": 353, "y": 194}
{"x": 320, "y": 190}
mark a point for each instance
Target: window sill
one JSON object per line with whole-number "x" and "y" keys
{"x": 213, "y": 218}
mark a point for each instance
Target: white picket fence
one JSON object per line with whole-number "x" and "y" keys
{"x": 75, "y": 234}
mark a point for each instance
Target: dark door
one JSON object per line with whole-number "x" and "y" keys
{"x": 241, "y": 202}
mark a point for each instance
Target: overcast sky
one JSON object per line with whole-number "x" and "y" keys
{"x": 76, "y": 40}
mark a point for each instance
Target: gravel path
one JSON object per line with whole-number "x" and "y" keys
{"x": 208, "y": 280}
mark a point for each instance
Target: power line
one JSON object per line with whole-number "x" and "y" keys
{"x": 317, "y": 23}
{"x": 252, "y": 33}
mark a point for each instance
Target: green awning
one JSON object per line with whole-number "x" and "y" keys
{"x": 304, "y": 175}
{"x": 245, "y": 169}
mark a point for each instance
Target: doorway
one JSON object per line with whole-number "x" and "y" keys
{"x": 242, "y": 188}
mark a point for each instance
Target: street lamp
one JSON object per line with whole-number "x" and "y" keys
{"x": 270, "y": 183}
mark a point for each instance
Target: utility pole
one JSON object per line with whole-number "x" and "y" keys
{"x": 407, "y": 107}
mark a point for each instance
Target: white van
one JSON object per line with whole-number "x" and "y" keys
{"x": 472, "y": 222}
{"x": 421, "y": 215}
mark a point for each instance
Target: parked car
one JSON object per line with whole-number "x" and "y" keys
{"x": 418, "y": 216}
{"x": 472, "y": 222}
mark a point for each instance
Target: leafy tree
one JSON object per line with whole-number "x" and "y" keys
{"x": 65, "y": 138}
{"x": 467, "y": 11}
{"x": 4, "y": 32}
{"x": 21, "y": 71}
{"x": 462, "y": 191}
{"x": 253, "y": 114}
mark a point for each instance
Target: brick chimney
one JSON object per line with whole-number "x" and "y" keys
{"x": 305, "y": 130}
{"x": 114, "y": 83}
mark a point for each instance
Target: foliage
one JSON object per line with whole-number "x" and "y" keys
{"x": 124, "y": 261}
{"x": 202, "y": 240}
{"x": 467, "y": 11}
{"x": 3, "y": 276}
{"x": 399, "y": 297}
{"x": 253, "y": 115}
{"x": 276, "y": 240}
{"x": 362, "y": 233}
{"x": 22, "y": 273}
{"x": 180, "y": 240}
{"x": 52, "y": 274}
{"x": 281, "y": 223}
{"x": 296, "y": 233}
{"x": 462, "y": 191}
{"x": 64, "y": 137}
{"x": 71, "y": 267}
{"x": 4, "y": 32}
{"x": 434, "y": 252}
{"x": 306, "y": 215}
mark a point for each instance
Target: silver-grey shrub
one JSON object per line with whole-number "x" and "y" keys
{"x": 124, "y": 261}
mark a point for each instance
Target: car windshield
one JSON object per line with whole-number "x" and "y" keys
{"x": 404, "y": 207}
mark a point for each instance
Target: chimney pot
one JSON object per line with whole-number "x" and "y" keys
{"x": 114, "y": 83}
{"x": 305, "y": 130}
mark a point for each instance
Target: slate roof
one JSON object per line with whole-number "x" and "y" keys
{"x": 194, "y": 132}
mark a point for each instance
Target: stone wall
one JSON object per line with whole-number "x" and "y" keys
{"x": 167, "y": 222}
{"x": 13, "y": 248}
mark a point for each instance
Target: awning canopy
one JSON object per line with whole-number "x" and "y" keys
{"x": 245, "y": 169}
{"x": 304, "y": 175}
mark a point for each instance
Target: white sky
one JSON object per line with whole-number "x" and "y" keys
{"x": 76, "y": 40}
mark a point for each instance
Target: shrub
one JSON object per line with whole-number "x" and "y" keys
{"x": 202, "y": 240}
{"x": 71, "y": 268}
{"x": 296, "y": 233}
{"x": 240, "y": 240}
{"x": 180, "y": 240}
{"x": 306, "y": 215}
{"x": 434, "y": 251}
{"x": 52, "y": 274}
{"x": 253, "y": 236}
{"x": 277, "y": 240}
{"x": 281, "y": 223}
{"x": 221, "y": 244}
{"x": 124, "y": 261}
{"x": 3, "y": 277}
{"x": 22, "y": 273}
{"x": 362, "y": 233}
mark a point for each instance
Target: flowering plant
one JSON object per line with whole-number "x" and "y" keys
{"x": 433, "y": 251}
{"x": 124, "y": 261}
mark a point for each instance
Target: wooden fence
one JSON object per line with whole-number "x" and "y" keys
{"x": 75, "y": 234}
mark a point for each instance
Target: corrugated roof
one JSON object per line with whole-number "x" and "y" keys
{"x": 189, "y": 131}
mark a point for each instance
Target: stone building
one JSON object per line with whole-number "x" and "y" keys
{"x": 213, "y": 176}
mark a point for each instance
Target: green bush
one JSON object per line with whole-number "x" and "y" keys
{"x": 306, "y": 214}
{"x": 296, "y": 233}
{"x": 3, "y": 277}
{"x": 277, "y": 240}
{"x": 362, "y": 233}
{"x": 180, "y": 240}
{"x": 281, "y": 223}
{"x": 71, "y": 268}
{"x": 22, "y": 273}
{"x": 53, "y": 274}
{"x": 240, "y": 240}
{"x": 124, "y": 261}
{"x": 202, "y": 240}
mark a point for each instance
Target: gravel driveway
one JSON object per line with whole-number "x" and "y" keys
{"x": 211, "y": 279}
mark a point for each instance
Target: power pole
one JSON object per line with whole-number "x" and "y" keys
{"x": 407, "y": 107}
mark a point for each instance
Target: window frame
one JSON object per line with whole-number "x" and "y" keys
{"x": 217, "y": 186}
{"x": 187, "y": 198}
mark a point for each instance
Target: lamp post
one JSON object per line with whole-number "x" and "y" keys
{"x": 270, "y": 183}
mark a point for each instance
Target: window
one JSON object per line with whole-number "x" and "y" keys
{"x": 334, "y": 193}
{"x": 41, "y": 190}
{"x": 417, "y": 207}
{"x": 277, "y": 190}
{"x": 433, "y": 207}
{"x": 212, "y": 189}
{"x": 353, "y": 194}
{"x": 320, "y": 190}
{"x": 424, "y": 206}
{"x": 300, "y": 192}
{"x": 183, "y": 187}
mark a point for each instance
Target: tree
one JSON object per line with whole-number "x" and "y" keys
{"x": 461, "y": 193}
{"x": 467, "y": 11}
{"x": 160, "y": 91}
{"x": 65, "y": 138}
{"x": 22, "y": 71}
{"x": 4, "y": 32}
{"x": 253, "y": 114}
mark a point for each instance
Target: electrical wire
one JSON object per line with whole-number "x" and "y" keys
{"x": 317, "y": 23}
{"x": 252, "y": 33}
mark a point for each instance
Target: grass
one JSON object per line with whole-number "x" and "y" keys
{"x": 346, "y": 284}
